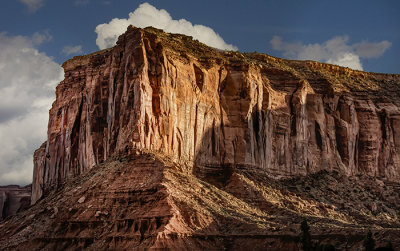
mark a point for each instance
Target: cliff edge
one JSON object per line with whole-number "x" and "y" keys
{"x": 210, "y": 109}
{"x": 162, "y": 142}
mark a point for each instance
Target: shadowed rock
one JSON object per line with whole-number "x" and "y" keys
{"x": 163, "y": 92}
{"x": 14, "y": 199}
{"x": 162, "y": 142}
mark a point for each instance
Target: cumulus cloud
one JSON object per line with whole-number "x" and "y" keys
{"x": 72, "y": 50}
{"x": 33, "y": 5}
{"x": 346, "y": 59}
{"x": 27, "y": 88}
{"x": 337, "y": 50}
{"x": 147, "y": 15}
{"x": 371, "y": 50}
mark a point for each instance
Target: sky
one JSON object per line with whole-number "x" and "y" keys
{"x": 37, "y": 36}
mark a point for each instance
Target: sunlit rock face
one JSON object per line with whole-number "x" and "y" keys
{"x": 212, "y": 109}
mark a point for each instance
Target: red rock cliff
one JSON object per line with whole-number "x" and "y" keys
{"x": 13, "y": 199}
{"x": 211, "y": 109}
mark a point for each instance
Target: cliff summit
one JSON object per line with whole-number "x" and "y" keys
{"x": 164, "y": 142}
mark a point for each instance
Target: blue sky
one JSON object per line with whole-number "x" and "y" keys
{"x": 249, "y": 26}
{"x": 36, "y": 36}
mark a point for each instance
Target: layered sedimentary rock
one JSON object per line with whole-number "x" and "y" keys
{"x": 164, "y": 143}
{"x": 214, "y": 109}
{"x": 146, "y": 201}
{"x": 14, "y": 199}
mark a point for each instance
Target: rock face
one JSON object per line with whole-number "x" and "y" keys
{"x": 14, "y": 199}
{"x": 212, "y": 110}
{"x": 146, "y": 201}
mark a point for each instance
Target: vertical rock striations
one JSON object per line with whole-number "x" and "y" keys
{"x": 213, "y": 109}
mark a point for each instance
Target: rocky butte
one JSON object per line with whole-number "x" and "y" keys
{"x": 163, "y": 142}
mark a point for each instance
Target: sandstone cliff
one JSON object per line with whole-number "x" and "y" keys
{"x": 146, "y": 201}
{"x": 13, "y": 199}
{"x": 212, "y": 109}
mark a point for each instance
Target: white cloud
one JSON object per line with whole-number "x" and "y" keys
{"x": 347, "y": 59}
{"x": 147, "y": 15}
{"x": 27, "y": 89}
{"x": 337, "y": 50}
{"x": 39, "y": 38}
{"x": 70, "y": 50}
{"x": 371, "y": 50}
{"x": 33, "y": 5}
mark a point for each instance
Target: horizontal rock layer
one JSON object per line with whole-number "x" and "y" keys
{"x": 146, "y": 201}
{"x": 214, "y": 109}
